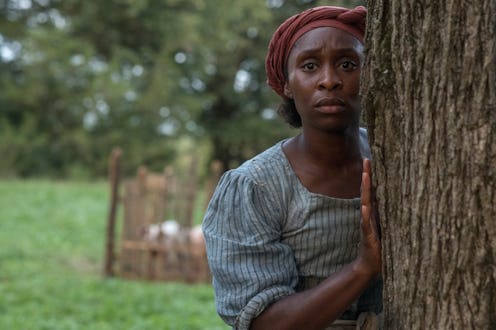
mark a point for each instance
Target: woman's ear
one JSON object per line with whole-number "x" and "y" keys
{"x": 287, "y": 92}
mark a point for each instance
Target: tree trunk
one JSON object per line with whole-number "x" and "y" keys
{"x": 429, "y": 88}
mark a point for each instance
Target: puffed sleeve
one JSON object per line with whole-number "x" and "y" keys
{"x": 251, "y": 268}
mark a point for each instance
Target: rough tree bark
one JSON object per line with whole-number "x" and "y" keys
{"x": 429, "y": 91}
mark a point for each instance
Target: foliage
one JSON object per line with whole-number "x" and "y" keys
{"x": 51, "y": 251}
{"x": 81, "y": 77}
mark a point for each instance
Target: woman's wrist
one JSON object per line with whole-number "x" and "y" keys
{"x": 362, "y": 269}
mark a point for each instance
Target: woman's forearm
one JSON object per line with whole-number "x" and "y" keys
{"x": 318, "y": 307}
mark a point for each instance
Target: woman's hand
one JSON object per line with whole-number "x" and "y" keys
{"x": 369, "y": 255}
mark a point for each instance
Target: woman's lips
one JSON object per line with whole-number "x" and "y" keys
{"x": 330, "y": 105}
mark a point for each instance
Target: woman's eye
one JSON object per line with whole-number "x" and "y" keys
{"x": 309, "y": 66}
{"x": 348, "y": 65}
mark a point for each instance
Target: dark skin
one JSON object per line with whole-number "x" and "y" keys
{"x": 323, "y": 80}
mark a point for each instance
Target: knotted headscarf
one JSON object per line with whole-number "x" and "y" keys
{"x": 349, "y": 20}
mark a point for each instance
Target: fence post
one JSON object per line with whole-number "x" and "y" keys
{"x": 189, "y": 193}
{"x": 213, "y": 179}
{"x": 114, "y": 175}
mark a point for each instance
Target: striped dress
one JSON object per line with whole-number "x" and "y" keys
{"x": 268, "y": 237}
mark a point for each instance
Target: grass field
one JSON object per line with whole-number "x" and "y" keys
{"x": 51, "y": 255}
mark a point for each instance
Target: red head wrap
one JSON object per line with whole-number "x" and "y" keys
{"x": 349, "y": 20}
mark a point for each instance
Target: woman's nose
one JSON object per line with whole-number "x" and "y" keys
{"x": 329, "y": 79}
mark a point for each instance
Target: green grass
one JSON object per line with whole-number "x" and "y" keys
{"x": 51, "y": 256}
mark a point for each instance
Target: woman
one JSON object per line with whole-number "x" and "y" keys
{"x": 291, "y": 240}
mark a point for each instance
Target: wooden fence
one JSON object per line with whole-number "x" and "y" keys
{"x": 158, "y": 238}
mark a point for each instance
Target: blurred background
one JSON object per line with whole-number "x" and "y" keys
{"x": 153, "y": 77}
{"x": 166, "y": 81}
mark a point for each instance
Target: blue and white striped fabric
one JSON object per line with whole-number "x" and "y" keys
{"x": 267, "y": 237}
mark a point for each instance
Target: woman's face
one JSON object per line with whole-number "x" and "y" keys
{"x": 323, "y": 79}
